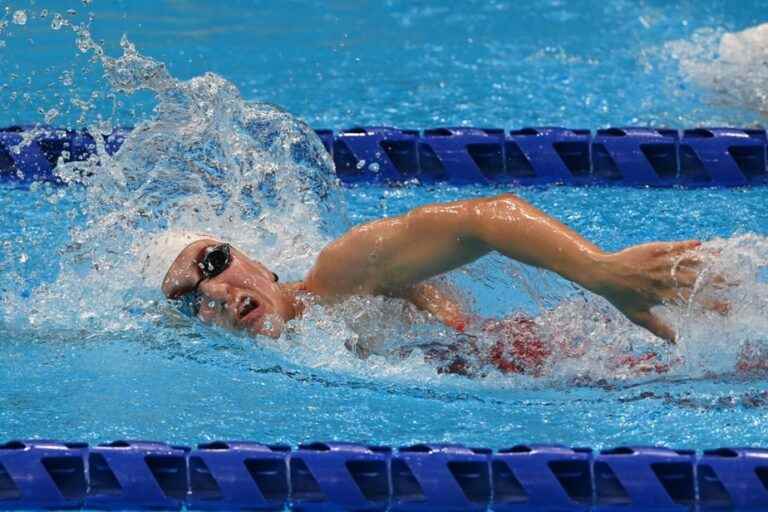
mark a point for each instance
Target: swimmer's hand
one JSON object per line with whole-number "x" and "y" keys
{"x": 643, "y": 276}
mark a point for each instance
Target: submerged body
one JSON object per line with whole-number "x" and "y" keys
{"x": 398, "y": 256}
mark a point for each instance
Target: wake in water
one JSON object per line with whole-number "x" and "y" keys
{"x": 733, "y": 66}
{"x": 209, "y": 162}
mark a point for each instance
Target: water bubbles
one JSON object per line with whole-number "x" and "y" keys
{"x": 731, "y": 66}
{"x": 44, "y": 13}
{"x": 87, "y": 2}
{"x": 23, "y": 258}
{"x": 84, "y": 41}
{"x": 50, "y": 115}
{"x": 72, "y": 12}
{"x": 58, "y": 21}
{"x": 374, "y": 167}
{"x": 66, "y": 78}
{"x": 360, "y": 164}
{"x": 20, "y": 17}
{"x": 127, "y": 45}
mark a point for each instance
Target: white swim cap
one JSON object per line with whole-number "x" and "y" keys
{"x": 158, "y": 252}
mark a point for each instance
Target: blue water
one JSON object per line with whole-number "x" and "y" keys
{"x": 90, "y": 350}
{"x": 408, "y": 64}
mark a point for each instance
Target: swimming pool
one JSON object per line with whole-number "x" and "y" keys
{"x": 94, "y": 359}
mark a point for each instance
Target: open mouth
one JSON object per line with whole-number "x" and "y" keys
{"x": 249, "y": 305}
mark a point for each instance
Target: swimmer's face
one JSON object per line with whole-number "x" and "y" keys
{"x": 244, "y": 296}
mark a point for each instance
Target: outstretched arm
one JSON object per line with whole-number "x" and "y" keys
{"x": 391, "y": 256}
{"x": 441, "y": 302}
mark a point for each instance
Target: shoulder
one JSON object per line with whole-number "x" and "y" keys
{"x": 339, "y": 269}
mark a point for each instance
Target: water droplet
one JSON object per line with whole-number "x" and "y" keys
{"x": 20, "y": 17}
{"x": 83, "y": 44}
{"x": 51, "y": 115}
{"x": 57, "y": 22}
{"x": 66, "y": 78}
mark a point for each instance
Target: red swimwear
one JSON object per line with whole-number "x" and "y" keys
{"x": 753, "y": 359}
{"x": 518, "y": 348}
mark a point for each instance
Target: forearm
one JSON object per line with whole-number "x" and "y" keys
{"x": 441, "y": 303}
{"x": 392, "y": 255}
{"x": 520, "y": 231}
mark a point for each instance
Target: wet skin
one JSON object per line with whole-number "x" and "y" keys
{"x": 246, "y": 296}
{"x": 397, "y": 256}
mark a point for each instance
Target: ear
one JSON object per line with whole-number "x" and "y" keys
{"x": 184, "y": 274}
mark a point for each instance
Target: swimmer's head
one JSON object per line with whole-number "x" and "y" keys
{"x": 156, "y": 253}
{"x": 225, "y": 287}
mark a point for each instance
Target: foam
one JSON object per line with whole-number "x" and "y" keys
{"x": 729, "y": 65}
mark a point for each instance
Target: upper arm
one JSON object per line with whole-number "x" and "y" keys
{"x": 391, "y": 255}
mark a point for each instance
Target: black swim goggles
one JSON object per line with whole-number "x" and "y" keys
{"x": 216, "y": 259}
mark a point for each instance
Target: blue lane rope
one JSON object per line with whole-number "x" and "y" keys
{"x": 141, "y": 475}
{"x": 530, "y": 156}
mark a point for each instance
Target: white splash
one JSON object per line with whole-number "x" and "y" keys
{"x": 207, "y": 161}
{"x": 733, "y": 66}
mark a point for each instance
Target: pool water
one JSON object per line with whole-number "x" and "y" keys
{"x": 91, "y": 351}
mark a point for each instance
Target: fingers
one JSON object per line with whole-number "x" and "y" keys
{"x": 691, "y": 261}
{"x": 720, "y": 282}
{"x": 685, "y": 277}
{"x": 687, "y": 267}
{"x": 653, "y": 324}
{"x": 688, "y": 245}
{"x": 721, "y": 307}
{"x": 673, "y": 248}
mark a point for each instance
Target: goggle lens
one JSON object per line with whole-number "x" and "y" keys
{"x": 216, "y": 260}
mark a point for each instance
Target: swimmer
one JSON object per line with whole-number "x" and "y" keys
{"x": 397, "y": 256}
